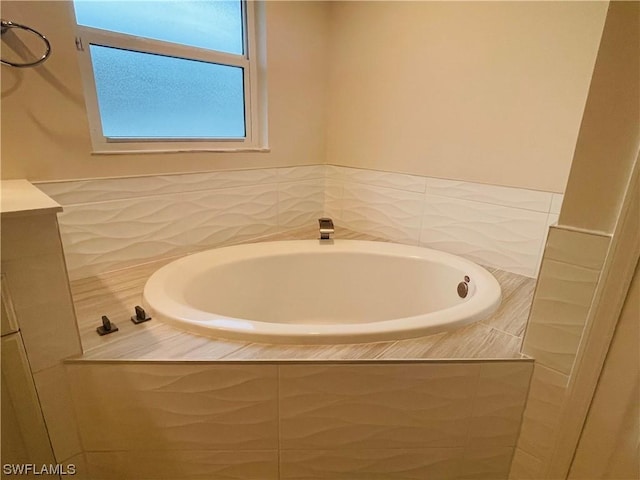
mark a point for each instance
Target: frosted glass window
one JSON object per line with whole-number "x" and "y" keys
{"x": 210, "y": 24}
{"x": 153, "y": 96}
{"x": 171, "y": 75}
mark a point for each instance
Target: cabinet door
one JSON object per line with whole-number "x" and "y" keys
{"x": 24, "y": 434}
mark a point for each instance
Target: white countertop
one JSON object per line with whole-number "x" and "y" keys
{"x": 20, "y": 197}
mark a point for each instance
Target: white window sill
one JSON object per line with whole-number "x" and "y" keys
{"x": 182, "y": 150}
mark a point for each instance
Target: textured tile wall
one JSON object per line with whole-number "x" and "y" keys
{"x": 565, "y": 289}
{"x": 497, "y": 226}
{"x": 446, "y": 421}
{"x": 539, "y": 424}
{"x": 55, "y": 399}
{"x": 113, "y": 223}
{"x": 182, "y": 465}
{"x": 568, "y": 278}
{"x": 558, "y": 313}
{"x": 175, "y": 407}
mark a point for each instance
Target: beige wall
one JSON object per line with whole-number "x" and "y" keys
{"x": 610, "y": 132}
{"x": 489, "y": 92}
{"x": 45, "y": 134}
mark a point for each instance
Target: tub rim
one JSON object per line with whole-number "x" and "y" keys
{"x": 484, "y": 301}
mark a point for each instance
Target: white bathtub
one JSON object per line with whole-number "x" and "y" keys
{"x": 310, "y": 291}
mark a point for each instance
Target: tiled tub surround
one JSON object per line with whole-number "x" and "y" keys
{"x": 116, "y": 293}
{"x": 570, "y": 271}
{"x": 109, "y": 224}
{"x": 492, "y": 225}
{"x": 155, "y": 402}
{"x": 299, "y": 421}
{"x": 565, "y": 289}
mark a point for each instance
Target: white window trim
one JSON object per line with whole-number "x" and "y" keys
{"x": 254, "y": 120}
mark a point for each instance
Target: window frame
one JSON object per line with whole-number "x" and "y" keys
{"x": 86, "y": 36}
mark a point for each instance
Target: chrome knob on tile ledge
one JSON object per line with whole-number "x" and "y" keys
{"x": 326, "y": 228}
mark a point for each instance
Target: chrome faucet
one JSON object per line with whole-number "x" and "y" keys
{"x": 326, "y": 228}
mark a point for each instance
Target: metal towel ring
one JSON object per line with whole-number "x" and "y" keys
{"x": 6, "y": 25}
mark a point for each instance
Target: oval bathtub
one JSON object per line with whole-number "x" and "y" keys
{"x": 310, "y": 291}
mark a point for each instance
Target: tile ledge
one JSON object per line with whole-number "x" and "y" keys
{"x": 290, "y": 361}
{"x": 582, "y": 230}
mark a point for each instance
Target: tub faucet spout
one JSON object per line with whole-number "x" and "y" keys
{"x": 326, "y": 228}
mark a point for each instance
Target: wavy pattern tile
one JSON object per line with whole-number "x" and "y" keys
{"x": 558, "y": 314}
{"x": 577, "y": 248}
{"x": 85, "y": 191}
{"x": 406, "y": 464}
{"x": 175, "y": 407}
{"x": 101, "y": 236}
{"x": 525, "y": 466}
{"x": 502, "y": 237}
{"x": 98, "y": 237}
{"x": 542, "y": 413}
{"x": 307, "y": 172}
{"x": 57, "y": 409}
{"x": 127, "y": 221}
{"x": 374, "y": 407}
{"x": 215, "y": 217}
{"x": 493, "y": 194}
{"x": 300, "y": 203}
{"x": 382, "y": 212}
{"x": 266, "y": 421}
{"x": 486, "y": 463}
{"x": 500, "y": 399}
{"x": 511, "y": 239}
{"x": 183, "y": 465}
{"x": 114, "y": 223}
{"x": 333, "y": 199}
{"x": 334, "y": 172}
{"x": 100, "y": 190}
{"x": 380, "y": 464}
{"x": 400, "y": 181}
